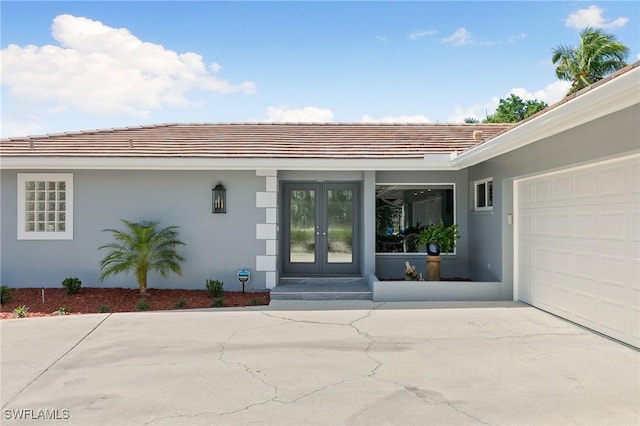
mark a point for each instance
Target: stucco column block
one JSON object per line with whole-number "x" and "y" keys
{"x": 266, "y": 199}
{"x": 271, "y": 183}
{"x": 271, "y": 215}
{"x": 266, "y": 231}
{"x": 271, "y": 279}
{"x": 265, "y": 263}
{"x": 271, "y": 247}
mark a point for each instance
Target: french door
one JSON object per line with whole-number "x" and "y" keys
{"x": 320, "y": 232}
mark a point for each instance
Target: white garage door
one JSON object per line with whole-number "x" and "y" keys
{"x": 578, "y": 245}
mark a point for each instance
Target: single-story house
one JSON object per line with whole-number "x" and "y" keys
{"x": 548, "y": 209}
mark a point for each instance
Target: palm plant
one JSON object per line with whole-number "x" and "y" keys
{"x": 141, "y": 248}
{"x": 598, "y": 55}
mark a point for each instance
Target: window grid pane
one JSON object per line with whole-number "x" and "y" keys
{"x": 45, "y": 206}
{"x": 480, "y": 194}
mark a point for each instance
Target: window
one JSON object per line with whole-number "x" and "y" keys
{"x": 45, "y": 206}
{"x": 483, "y": 194}
{"x": 402, "y": 210}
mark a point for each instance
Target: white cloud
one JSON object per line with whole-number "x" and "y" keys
{"x": 101, "y": 70}
{"x": 308, "y": 114}
{"x": 382, "y": 39}
{"x": 460, "y": 113}
{"x": 515, "y": 38}
{"x": 396, "y": 119}
{"x": 550, "y": 94}
{"x": 461, "y": 37}
{"x": 592, "y": 17}
{"x": 422, "y": 33}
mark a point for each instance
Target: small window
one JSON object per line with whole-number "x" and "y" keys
{"x": 45, "y": 206}
{"x": 483, "y": 194}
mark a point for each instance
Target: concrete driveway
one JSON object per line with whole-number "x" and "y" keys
{"x": 305, "y": 363}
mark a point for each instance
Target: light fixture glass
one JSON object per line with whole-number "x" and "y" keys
{"x": 219, "y": 199}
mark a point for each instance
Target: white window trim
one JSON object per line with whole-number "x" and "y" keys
{"x": 486, "y": 195}
{"x": 39, "y": 235}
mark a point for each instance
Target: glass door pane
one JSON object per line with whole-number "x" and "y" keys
{"x": 302, "y": 226}
{"x": 339, "y": 213}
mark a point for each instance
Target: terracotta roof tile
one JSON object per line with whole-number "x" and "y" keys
{"x": 344, "y": 141}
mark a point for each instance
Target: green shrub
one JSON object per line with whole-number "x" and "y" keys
{"x": 104, "y": 308}
{"x": 63, "y": 310}
{"x": 21, "y": 311}
{"x": 142, "y": 305}
{"x": 72, "y": 284}
{"x": 5, "y": 294}
{"x": 181, "y": 304}
{"x": 217, "y": 303}
{"x": 254, "y": 302}
{"x": 214, "y": 288}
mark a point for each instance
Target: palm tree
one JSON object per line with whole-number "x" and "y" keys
{"x": 142, "y": 248}
{"x": 598, "y": 55}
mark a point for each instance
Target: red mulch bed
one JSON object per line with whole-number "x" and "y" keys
{"x": 89, "y": 300}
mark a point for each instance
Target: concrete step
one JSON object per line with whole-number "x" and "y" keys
{"x": 321, "y": 288}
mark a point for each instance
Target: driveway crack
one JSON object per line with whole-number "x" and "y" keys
{"x": 35, "y": 379}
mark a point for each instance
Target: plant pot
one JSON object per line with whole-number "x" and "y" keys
{"x": 433, "y": 249}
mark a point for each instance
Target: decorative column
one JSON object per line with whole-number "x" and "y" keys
{"x": 267, "y": 231}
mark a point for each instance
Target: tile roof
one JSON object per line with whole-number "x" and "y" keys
{"x": 259, "y": 140}
{"x": 273, "y": 141}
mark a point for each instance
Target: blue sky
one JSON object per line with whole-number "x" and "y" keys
{"x": 70, "y": 66}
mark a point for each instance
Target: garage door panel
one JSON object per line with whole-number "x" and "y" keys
{"x": 613, "y": 180}
{"x": 586, "y": 185}
{"x": 563, "y": 224}
{"x": 615, "y": 271}
{"x": 563, "y": 262}
{"x": 562, "y": 188}
{"x": 544, "y": 292}
{"x": 634, "y": 180}
{"x": 579, "y": 245}
{"x": 614, "y": 225}
{"x": 585, "y": 225}
{"x": 586, "y": 266}
{"x": 634, "y": 283}
{"x": 635, "y": 226}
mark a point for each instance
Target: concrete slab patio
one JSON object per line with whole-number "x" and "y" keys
{"x": 311, "y": 363}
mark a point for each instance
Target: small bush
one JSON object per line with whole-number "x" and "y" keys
{"x": 5, "y": 294}
{"x": 142, "y": 305}
{"x": 104, "y": 308}
{"x": 214, "y": 288}
{"x": 72, "y": 284}
{"x": 21, "y": 311}
{"x": 217, "y": 303}
{"x": 181, "y": 304}
{"x": 254, "y": 302}
{"x": 63, "y": 310}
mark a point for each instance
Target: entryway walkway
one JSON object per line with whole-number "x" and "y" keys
{"x": 322, "y": 288}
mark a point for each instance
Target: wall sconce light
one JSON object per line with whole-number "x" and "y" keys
{"x": 219, "y": 199}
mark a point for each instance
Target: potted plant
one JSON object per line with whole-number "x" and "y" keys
{"x": 439, "y": 238}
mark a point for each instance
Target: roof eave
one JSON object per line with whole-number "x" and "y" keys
{"x": 610, "y": 97}
{"x": 436, "y": 162}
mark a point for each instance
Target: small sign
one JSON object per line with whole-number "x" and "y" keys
{"x": 243, "y": 276}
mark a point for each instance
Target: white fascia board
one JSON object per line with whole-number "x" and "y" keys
{"x": 146, "y": 163}
{"x": 615, "y": 95}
